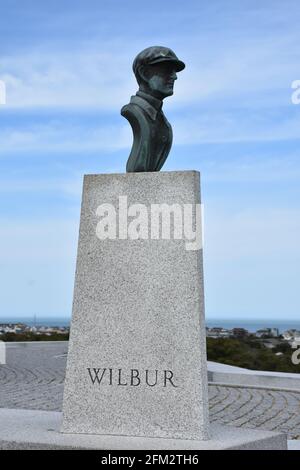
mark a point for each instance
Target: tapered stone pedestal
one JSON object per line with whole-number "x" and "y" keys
{"x": 137, "y": 356}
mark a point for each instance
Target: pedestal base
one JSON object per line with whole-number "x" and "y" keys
{"x": 27, "y": 429}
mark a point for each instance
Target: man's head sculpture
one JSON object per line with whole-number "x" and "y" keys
{"x": 155, "y": 71}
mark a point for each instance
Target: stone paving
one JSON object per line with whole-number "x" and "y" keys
{"x": 34, "y": 375}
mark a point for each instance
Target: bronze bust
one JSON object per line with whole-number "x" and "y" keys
{"x": 155, "y": 71}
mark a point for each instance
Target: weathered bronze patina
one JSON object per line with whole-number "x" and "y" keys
{"x": 155, "y": 71}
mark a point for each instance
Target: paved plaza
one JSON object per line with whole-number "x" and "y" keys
{"x": 33, "y": 378}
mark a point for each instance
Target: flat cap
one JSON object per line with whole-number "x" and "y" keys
{"x": 155, "y": 55}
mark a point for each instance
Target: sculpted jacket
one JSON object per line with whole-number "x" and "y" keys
{"x": 152, "y": 133}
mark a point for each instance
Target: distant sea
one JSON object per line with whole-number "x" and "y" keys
{"x": 31, "y": 321}
{"x": 253, "y": 325}
{"x": 248, "y": 324}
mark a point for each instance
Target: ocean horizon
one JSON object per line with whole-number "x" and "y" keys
{"x": 251, "y": 325}
{"x": 254, "y": 324}
{"x": 38, "y": 321}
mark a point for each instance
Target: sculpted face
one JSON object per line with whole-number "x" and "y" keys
{"x": 160, "y": 79}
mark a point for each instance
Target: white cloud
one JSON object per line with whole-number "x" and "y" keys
{"x": 260, "y": 234}
{"x": 237, "y": 67}
{"x": 71, "y": 186}
{"x": 256, "y": 169}
{"x": 211, "y": 127}
{"x": 221, "y": 90}
{"x": 66, "y": 79}
{"x": 62, "y": 137}
{"x": 231, "y": 127}
{"x": 249, "y": 71}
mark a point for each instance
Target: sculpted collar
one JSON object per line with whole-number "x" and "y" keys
{"x": 148, "y": 103}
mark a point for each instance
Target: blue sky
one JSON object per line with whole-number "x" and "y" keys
{"x": 67, "y": 69}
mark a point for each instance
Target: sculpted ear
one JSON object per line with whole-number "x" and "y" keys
{"x": 143, "y": 73}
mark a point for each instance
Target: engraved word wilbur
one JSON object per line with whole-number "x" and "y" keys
{"x": 132, "y": 377}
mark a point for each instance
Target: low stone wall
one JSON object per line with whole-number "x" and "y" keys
{"x": 258, "y": 379}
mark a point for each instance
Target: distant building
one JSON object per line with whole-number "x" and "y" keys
{"x": 240, "y": 332}
{"x": 274, "y": 332}
{"x": 291, "y": 335}
{"x": 218, "y": 332}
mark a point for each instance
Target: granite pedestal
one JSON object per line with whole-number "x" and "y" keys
{"x": 137, "y": 355}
